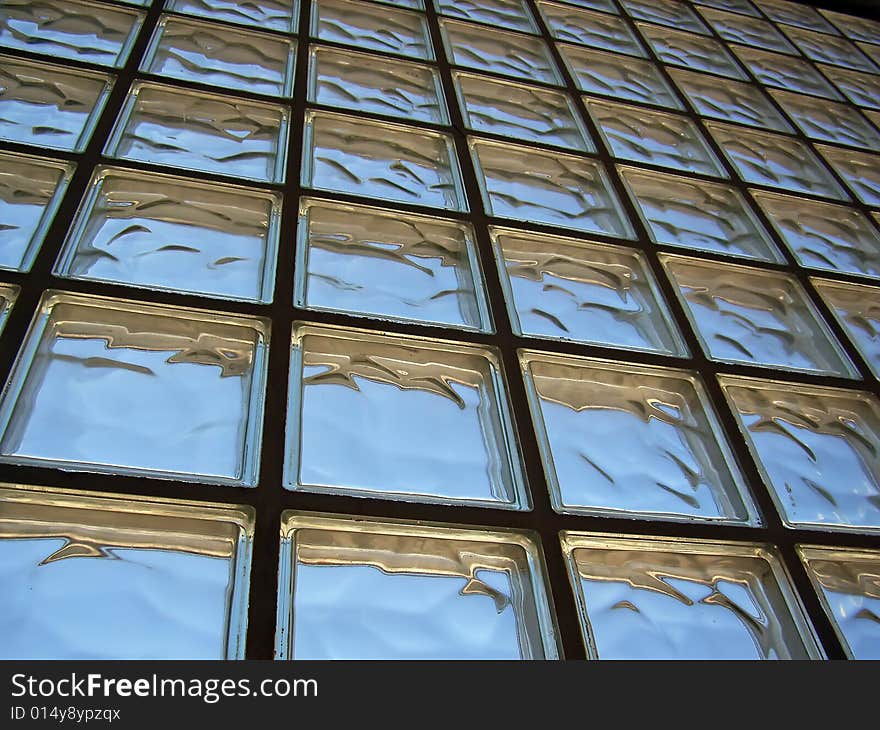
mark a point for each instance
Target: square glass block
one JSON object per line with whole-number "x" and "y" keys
{"x": 552, "y": 188}
{"x": 628, "y": 441}
{"x": 655, "y": 138}
{"x": 755, "y": 316}
{"x": 400, "y": 417}
{"x": 785, "y": 72}
{"x": 497, "y": 51}
{"x": 524, "y": 113}
{"x": 854, "y": 27}
{"x": 794, "y": 13}
{"x": 778, "y": 161}
{"x": 606, "y": 6}
{"x": 860, "y": 88}
{"x": 218, "y": 55}
{"x": 751, "y": 31}
{"x": 828, "y": 121}
{"x": 598, "y": 72}
{"x": 568, "y": 289}
{"x": 158, "y": 232}
{"x": 349, "y": 588}
{"x": 50, "y": 106}
{"x": 372, "y": 28}
{"x": 8, "y": 295}
{"x": 362, "y": 82}
{"x": 672, "y": 13}
{"x": 695, "y": 52}
{"x": 381, "y": 160}
{"x": 113, "y": 386}
{"x": 824, "y": 235}
{"x": 848, "y": 583}
{"x": 31, "y": 190}
{"x": 832, "y": 49}
{"x": 111, "y": 576}
{"x": 695, "y": 214}
{"x": 280, "y": 15}
{"x": 382, "y": 263}
{"x": 90, "y": 32}
{"x": 192, "y": 130}
{"x": 510, "y": 14}
{"x": 736, "y": 6}
{"x": 729, "y": 100}
{"x": 817, "y": 448}
{"x": 859, "y": 170}
{"x": 598, "y": 30}
{"x": 857, "y": 309}
{"x": 655, "y": 598}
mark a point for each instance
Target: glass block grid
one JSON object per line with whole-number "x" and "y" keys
{"x": 425, "y": 284}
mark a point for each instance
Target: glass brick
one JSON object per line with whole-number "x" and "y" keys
{"x": 828, "y": 121}
{"x": 750, "y": 31}
{"x": 216, "y": 55}
{"x": 857, "y": 309}
{"x": 547, "y": 187}
{"x": 568, "y": 289}
{"x": 50, "y": 106}
{"x": 861, "y": 89}
{"x": 408, "y": 4}
{"x": 8, "y": 295}
{"x": 755, "y": 316}
{"x": 524, "y": 113}
{"x": 835, "y": 50}
{"x": 848, "y": 584}
{"x": 391, "y": 265}
{"x": 381, "y": 160}
{"x": 31, "y": 190}
{"x": 655, "y": 138}
{"x": 665, "y": 12}
{"x": 794, "y": 13}
{"x": 400, "y": 417}
{"x": 350, "y": 588}
{"x": 656, "y": 598}
{"x": 356, "y": 81}
{"x": 872, "y": 52}
{"x": 158, "y": 232}
{"x": 112, "y": 386}
{"x": 510, "y": 14}
{"x": 627, "y": 441}
{"x": 606, "y": 6}
{"x": 191, "y": 130}
{"x": 817, "y": 448}
{"x": 854, "y": 27}
{"x": 859, "y": 170}
{"x": 692, "y": 51}
{"x": 93, "y": 33}
{"x": 598, "y": 30}
{"x": 280, "y": 15}
{"x": 735, "y": 6}
{"x": 785, "y": 72}
{"x": 141, "y": 577}
{"x": 695, "y": 214}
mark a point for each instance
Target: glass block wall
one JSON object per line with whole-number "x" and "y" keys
{"x": 420, "y": 328}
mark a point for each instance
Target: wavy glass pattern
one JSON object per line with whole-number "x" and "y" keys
{"x": 695, "y": 52}
{"x": 793, "y": 13}
{"x": 648, "y": 598}
{"x": 379, "y": 160}
{"x": 141, "y": 578}
{"x": 679, "y": 211}
{"x": 857, "y": 309}
{"x": 230, "y": 58}
{"x": 158, "y": 232}
{"x": 273, "y": 14}
{"x": 872, "y": 52}
{"x": 390, "y": 265}
{"x": 832, "y": 49}
{"x": 854, "y": 27}
{"x": 665, "y": 12}
{"x": 859, "y": 170}
{"x": 625, "y": 441}
{"x": 861, "y": 89}
{"x": 395, "y": 88}
{"x": 817, "y": 448}
{"x": 737, "y": 6}
{"x": 510, "y": 14}
{"x": 400, "y": 417}
{"x": 755, "y": 316}
{"x": 547, "y": 187}
{"x": 8, "y": 295}
{"x": 751, "y": 31}
{"x": 106, "y": 385}
{"x": 828, "y": 121}
{"x": 598, "y": 30}
{"x": 785, "y": 72}
{"x": 568, "y": 289}
{"x": 356, "y": 589}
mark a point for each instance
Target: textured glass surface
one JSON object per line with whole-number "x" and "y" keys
{"x": 201, "y": 131}
{"x": 31, "y": 189}
{"x": 775, "y": 160}
{"x": 831, "y": 49}
{"x": 755, "y": 316}
{"x": 379, "y": 160}
{"x": 508, "y": 54}
{"x": 107, "y": 385}
{"x": 857, "y": 309}
{"x": 871, "y": 51}
{"x": 828, "y": 121}
{"x": 794, "y": 13}
{"x": 738, "y": 6}
{"x": 680, "y": 211}
{"x": 8, "y": 295}
{"x": 357, "y": 81}
{"x": 231, "y": 58}
{"x": 751, "y": 31}
{"x": 356, "y": 589}
{"x": 785, "y": 72}
{"x": 49, "y": 106}
{"x": 526, "y": 113}
{"x": 649, "y": 598}
{"x": 389, "y": 265}
{"x": 90, "y": 32}
{"x": 860, "y": 88}
{"x": 598, "y": 30}
{"x": 606, "y": 6}
{"x": 510, "y": 14}
{"x": 818, "y": 450}
{"x": 275, "y": 14}
{"x": 848, "y": 584}
{"x": 568, "y": 289}
{"x": 107, "y": 576}
{"x": 626, "y": 441}
{"x": 824, "y": 235}
{"x": 673, "y": 13}
{"x": 692, "y": 51}
{"x": 371, "y": 27}
{"x": 547, "y": 187}
{"x": 159, "y": 232}
{"x": 859, "y": 170}
{"x": 400, "y": 417}
{"x": 656, "y": 138}
{"x": 856, "y": 28}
